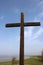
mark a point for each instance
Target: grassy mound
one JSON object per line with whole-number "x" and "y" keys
{"x": 29, "y": 61}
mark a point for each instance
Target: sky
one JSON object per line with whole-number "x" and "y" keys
{"x": 10, "y": 12}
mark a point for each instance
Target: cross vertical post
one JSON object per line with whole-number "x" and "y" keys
{"x": 22, "y": 40}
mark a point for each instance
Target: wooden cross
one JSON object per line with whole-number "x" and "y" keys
{"x": 21, "y": 25}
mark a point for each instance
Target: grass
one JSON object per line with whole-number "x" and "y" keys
{"x": 33, "y": 61}
{"x": 5, "y": 63}
{"x": 30, "y": 61}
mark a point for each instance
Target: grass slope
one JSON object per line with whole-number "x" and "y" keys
{"x": 33, "y": 61}
{"x": 5, "y": 63}
{"x": 30, "y": 61}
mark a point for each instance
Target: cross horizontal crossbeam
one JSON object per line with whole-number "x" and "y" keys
{"x": 25, "y": 24}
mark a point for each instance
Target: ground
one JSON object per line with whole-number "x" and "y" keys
{"x": 29, "y": 61}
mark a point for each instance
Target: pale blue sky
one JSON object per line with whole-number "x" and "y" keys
{"x": 10, "y": 37}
